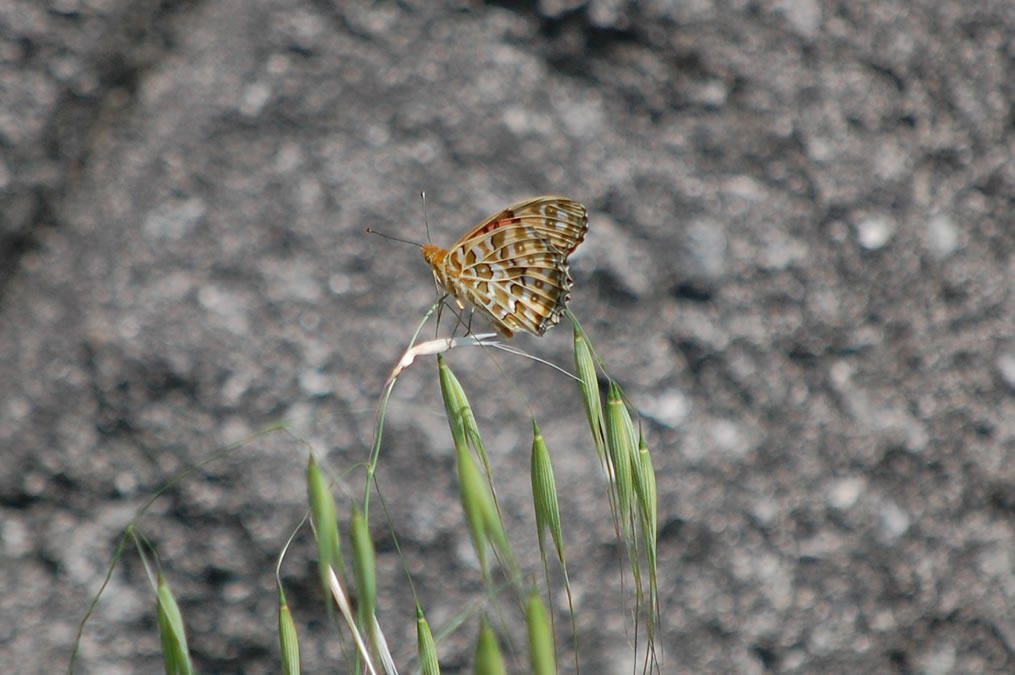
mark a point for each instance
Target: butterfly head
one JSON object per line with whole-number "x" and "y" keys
{"x": 433, "y": 254}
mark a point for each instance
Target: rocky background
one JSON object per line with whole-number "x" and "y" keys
{"x": 800, "y": 266}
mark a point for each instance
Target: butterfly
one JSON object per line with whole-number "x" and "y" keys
{"x": 512, "y": 267}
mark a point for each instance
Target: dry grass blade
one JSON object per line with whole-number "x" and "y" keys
{"x": 341, "y": 599}
{"x": 439, "y": 346}
{"x": 381, "y": 645}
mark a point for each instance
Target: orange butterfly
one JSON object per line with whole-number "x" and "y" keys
{"x": 512, "y": 267}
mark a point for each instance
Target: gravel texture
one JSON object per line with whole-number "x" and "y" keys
{"x": 800, "y": 266}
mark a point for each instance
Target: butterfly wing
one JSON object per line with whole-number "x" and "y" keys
{"x": 513, "y": 266}
{"x": 560, "y": 221}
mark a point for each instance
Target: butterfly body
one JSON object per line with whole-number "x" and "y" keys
{"x": 512, "y": 267}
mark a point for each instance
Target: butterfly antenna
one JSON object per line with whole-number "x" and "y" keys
{"x": 426, "y": 221}
{"x": 371, "y": 230}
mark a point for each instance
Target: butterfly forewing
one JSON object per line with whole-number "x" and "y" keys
{"x": 513, "y": 266}
{"x": 558, "y": 220}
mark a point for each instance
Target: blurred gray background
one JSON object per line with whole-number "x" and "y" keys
{"x": 800, "y": 267}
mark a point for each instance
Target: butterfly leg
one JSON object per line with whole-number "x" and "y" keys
{"x": 467, "y": 325}
{"x": 454, "y": 312}
{"x": 457, "y": 313}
